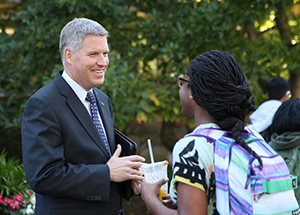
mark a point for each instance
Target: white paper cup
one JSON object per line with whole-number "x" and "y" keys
{"x": 153, "y": 172}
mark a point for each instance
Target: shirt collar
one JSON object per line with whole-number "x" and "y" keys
{"x": 77, "y": 88}
{"x": 207, "y": 125}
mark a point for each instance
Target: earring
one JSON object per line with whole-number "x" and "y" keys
{"x": 191, "y": 97}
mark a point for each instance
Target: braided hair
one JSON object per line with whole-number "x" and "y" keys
{"x": 219, "y": 85}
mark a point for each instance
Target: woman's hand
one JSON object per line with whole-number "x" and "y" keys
{"x": 167, "y": 201}
{"x": 151, "y": 190}
{"x": 150, "y": 195}
{"x": 136, "y": 186}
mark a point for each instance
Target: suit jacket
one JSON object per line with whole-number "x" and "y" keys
{"x": 64, "y": 156}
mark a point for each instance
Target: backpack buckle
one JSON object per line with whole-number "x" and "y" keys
{"x": 294, "y": 182}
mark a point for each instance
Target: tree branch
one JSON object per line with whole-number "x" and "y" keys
{"x": 250, "y": 30}
{"x": 282, "y": 25}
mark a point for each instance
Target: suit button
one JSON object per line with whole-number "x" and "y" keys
{"x": 88, "y": 198}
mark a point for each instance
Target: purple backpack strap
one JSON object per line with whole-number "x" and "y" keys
{"x": 212, "y": 134}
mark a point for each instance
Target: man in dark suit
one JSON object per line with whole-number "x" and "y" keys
{"x": 73, "y": 168}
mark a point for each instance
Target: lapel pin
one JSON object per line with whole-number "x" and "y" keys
{"x": 102, "y": 104}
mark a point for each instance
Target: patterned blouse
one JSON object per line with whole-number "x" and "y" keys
{"x": 193, "y": 164}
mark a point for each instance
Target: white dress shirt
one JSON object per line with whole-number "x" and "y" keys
{"x": 81, "y": 94}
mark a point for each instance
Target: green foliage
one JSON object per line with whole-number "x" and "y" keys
{"x": 151, "y": 42}
{"x": 15, "y": 192}
{"x": 12, "y": 177}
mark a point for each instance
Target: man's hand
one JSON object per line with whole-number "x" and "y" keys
{"x": 125, "y": 168}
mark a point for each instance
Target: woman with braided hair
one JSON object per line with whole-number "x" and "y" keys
{"x": 214, "y": 92}
{"x": 219, "y": 85}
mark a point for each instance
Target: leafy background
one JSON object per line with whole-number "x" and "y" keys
{"x": 151, "y": 42}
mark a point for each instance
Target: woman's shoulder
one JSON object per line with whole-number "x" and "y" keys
{"x": 188, "y": 142}
{"x": 207, "y": 125}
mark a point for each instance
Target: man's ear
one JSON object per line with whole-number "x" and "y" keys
{"x": 68, "y": 56}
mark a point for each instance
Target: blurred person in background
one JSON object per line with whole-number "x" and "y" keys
{"x": 286, "y": 139}
{"x": 261, "y": 119}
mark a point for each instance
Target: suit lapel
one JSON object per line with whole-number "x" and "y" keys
{"x": 80, "y": 112}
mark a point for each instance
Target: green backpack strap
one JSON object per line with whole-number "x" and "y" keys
{"x": 280, "y": 185}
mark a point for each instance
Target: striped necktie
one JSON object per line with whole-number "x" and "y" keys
{"x": 95, "y": 117}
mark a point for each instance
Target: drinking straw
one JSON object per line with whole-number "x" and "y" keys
{"x": 150, "y": 151}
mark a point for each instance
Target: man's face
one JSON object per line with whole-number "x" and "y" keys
{"x": 89, "y": 64}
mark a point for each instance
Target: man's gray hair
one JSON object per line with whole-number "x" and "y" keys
{"x": 72, "y": 35}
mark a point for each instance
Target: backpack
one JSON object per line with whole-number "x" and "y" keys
{"x": 241, "y": 187}
{"x": 292, "y": 160}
